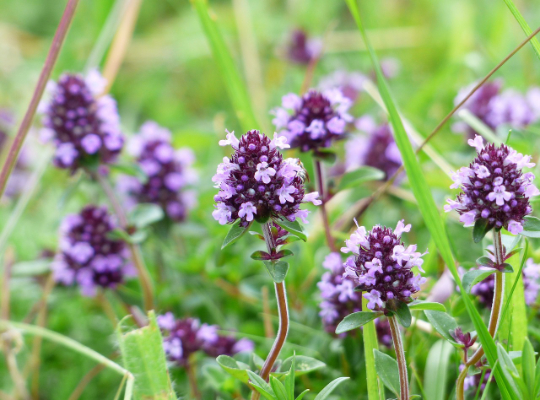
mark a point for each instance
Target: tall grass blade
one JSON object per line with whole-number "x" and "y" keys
{"x": 231, "y": 78}
{"x": 427, "y": 204}
{"x": 371, "y": 343}
{"x": 524, "y": 25}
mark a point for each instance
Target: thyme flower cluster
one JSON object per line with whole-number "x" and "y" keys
{"x": 183, "y": 337}
{"x": 313, "y": 120}
{"x": 494, "y": 187}
{"x": 381, "y": 265}
{"x": 168, "y": 170}
{"x": 256, "y": 183}
{"x": 84, "y": 126}
{"x": 88, "y": 257}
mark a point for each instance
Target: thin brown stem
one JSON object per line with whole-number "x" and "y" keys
{"x": 400, "y": 356}
{"x": 136, "y": 257}
{"x": 322, "y": 195}
{"x": 54, "y": 50}
{"x": 460, "y": 390}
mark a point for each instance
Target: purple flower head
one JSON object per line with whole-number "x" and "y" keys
{"x": 378, "y": 150}
{"x": 338, "y": 296}
{"x": 183, "y": 337}
{"x": 463, "y": 338}
{"x": 313, "y": 120}
{"x": 351, "y": 84}
{"x": 84, "y": 126}
{"x": 384, "y": 332}
{"x": 301, "y": 49}
{"x": 494, "y": 188}
{"x": 256, "y": 183}
{"x": 88, "y": 257}
{"x": 381, "y": 265}
{"x": 168, "y": 170}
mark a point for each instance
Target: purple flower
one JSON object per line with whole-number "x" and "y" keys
{"x": 84, "y": 126}
{"x": 531, "y": 281}
{"x": 381, "y": 265}
{"x": 183, "y": 337}
{"x": 351, "y": 84}
{"x": 169, "y": 172}
{"x": 88, "y": 257}
{"x": 256, "y": 183}
{"x": 494, "y": 188}
{"x": 313, "y": 120}
{"x": 384, "y": 333}
{"x": 378, "y": 150}
{"x": 301, "y": 49}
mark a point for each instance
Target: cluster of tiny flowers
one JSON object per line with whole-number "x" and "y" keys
{"x": 21, "y": 170}
{"x": 168, "y": 170}
{"x": 313, "y": 120}
{"x": 381, "y": 265}
{"x": 83, "y": 125}
{"x": 495, "y": 108}
{"x": 337, "y": 292}
{"x": 494, "y": 187}
{"x": 257, "y": 183}
{"x": 301, "y": 49}
{"x": 183, "y": 337}
{"x": 88, "y": 257}
{"x": 378, "y": 149}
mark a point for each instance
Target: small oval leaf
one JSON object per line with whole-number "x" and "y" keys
{"x": 235, "y": 233}
{"x": 293, "y": 227}
{"x": 474, "y": 276}
{"x": 277, "y": 269}
{"x": 387, "y": 370}
{"x": 419, "y": 305}
{"x": 355, "y": 320}
{"x": 480, "y": 229}
{"x": 229, "y": 364}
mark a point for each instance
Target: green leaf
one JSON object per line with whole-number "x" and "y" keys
{"x": 355, "y": 320}
{"x": 436, "y": 371}
{"x": 328, "y": 389}
{"x": 142, "y": 353}
{"x": 285, "y": 253}
{"x": 145, "y": 214}
{"x": 531, "y": 227}
{"x": 403, "y": 314}
{"x": 303, "y": 364}
{"x": 235, "y": 233}
{"x": 509, "y": 369}
{"x": 234, "y": 368}
{"x": 277, "y": 269}
{"x": 301, "y": 395}
{"x": 528, "y": 367}
{"x": 481, "y": 227}
{"x": 474, "y": 276}
{"x": 227, "y": 67}
{"x": 293, "y": 227}
{"x": 358, "y": 176}
{"x": 526, "y": 28}
{"x": 420, "y": 305}
{"x": 132, "y": 169}
{"x": 537, "y": 380}
{"x": 387, "y": 369}
{"x": 259, "y": 255}
{"x": 442, "y": 323}
{"x": 278, "y": 388}
{"x": 484, "y": 261}
{"x": 507, "y": 268}
{"x": 289, "y": 379}
{"x": 261, "y": 386}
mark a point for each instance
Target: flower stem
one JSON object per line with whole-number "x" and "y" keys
{"x": 192, "y": 377}
{"x": 326, "y": 222}
{"x": 54, "y": 50}
{"x": 400, "y": 355}
{"x": 495, "y": 315}
{"x": 135, "y": 251}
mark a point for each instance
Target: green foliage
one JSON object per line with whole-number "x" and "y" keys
{"x": 359, "y": 176}
{"x": 355, "y": 320}
{"x": 437, "y": 370}
{"x": 387, "y": 370}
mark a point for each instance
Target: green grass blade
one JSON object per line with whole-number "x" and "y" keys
{"x": 427, "y": 204}
{"x": 436, "y": 373}
{"x": 225, "y": 63}
{"x": 371, "y": 343}
{"x": 524, "y": 25}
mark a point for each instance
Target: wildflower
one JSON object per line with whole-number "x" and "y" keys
{"x": 351, "y": 84}
{"x": 169, "y": 172}
{"x": 314, "y": 120}
{"x": 256, "y": 183}
{"x": 494, "y": 188}
{"x": 183, "y": 337}
{"x": 84, "y": 126}
{"x": 378, "y": 150}
{"x": 462, "y": 338}
{"x": 301, "y": 49}
{"x": 88, "y": 257}
{"x": 382, "y": 266}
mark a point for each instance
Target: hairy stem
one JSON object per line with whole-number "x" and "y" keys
{"x": 322, "y": 195}
{"x": 400, "y": 355}
{"x": 135, "y": 251}
{"x": 54, "y": 50}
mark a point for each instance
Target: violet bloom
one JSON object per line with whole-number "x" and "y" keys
{"x": 378, "y": 149}
{"x": 301, "y": 49}
{"x": 256, "y": 183}
{"x": 84, "y": 126}
{"x": 313, "y": 120}
{"x": 494, "y": 188}
{"x": 88, "y": 257}
{"x": 384, "y": 332}
{"x": 183, "y": 337}
{"x": 168, "y": 170}
{"x": 381, "y": 265}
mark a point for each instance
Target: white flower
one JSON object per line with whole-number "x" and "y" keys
{"x": 401, "y": 227}
{"x": 313, "y": 198}
{"x": 285, "y": 192}
{"x": 231, "y": 140}
{"x": 222, "y": 214}
{"x": 247, "y": 210}
{"x": 477, "y": 143}
{"x": 500, "y": 195}
{"x": 264, "y": 172}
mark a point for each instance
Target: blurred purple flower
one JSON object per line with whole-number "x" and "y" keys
{"x": 301, "y": 49}
{"x": 351, "y": 84}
